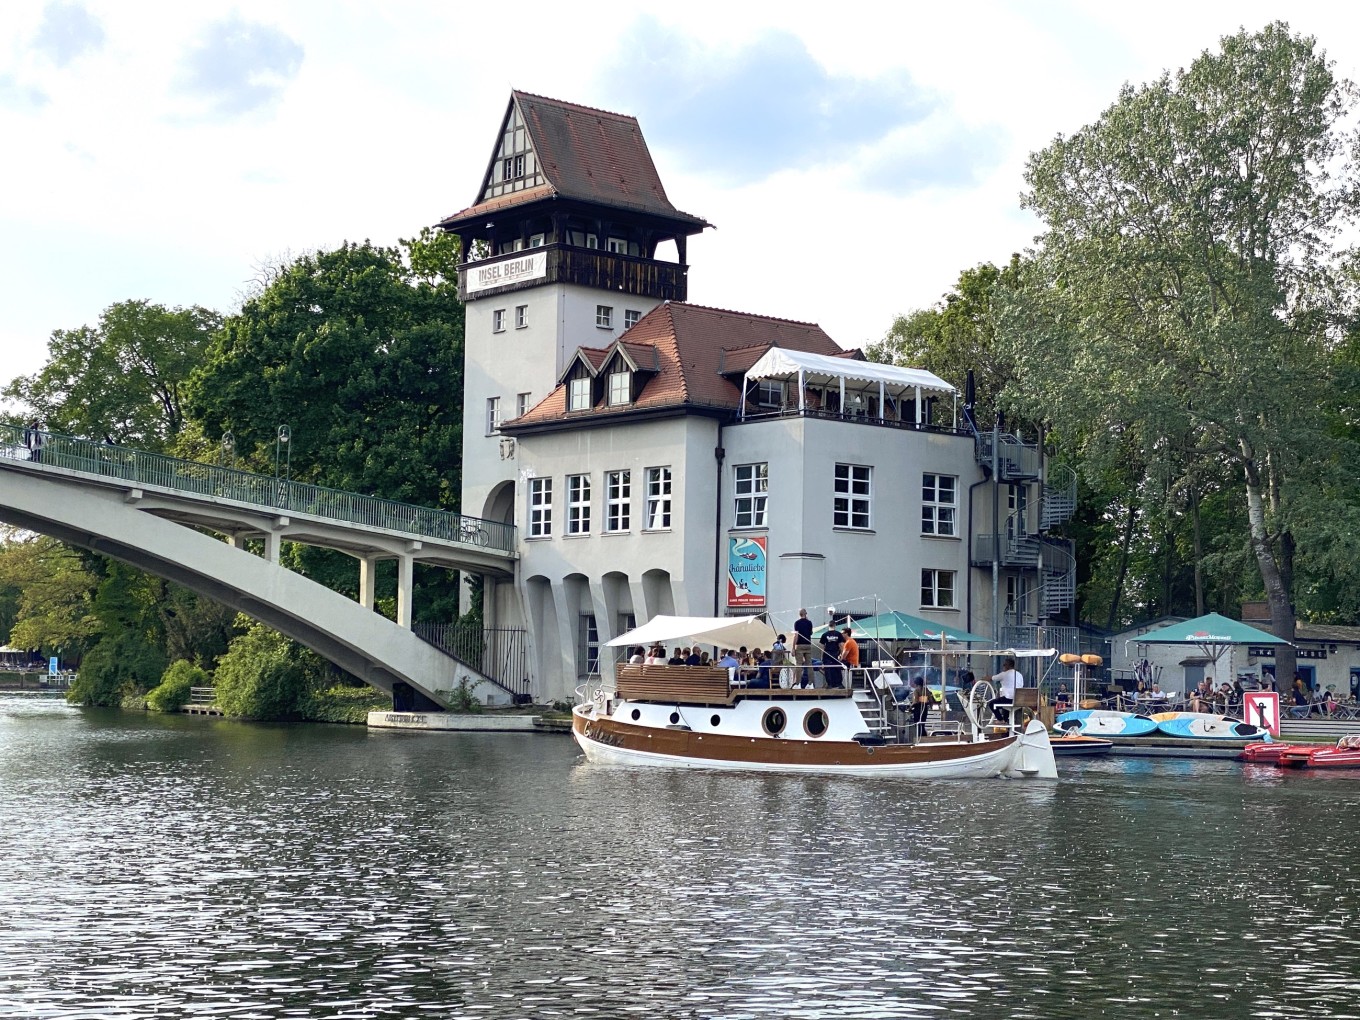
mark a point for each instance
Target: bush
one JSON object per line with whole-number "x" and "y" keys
{"x": 119, "y": 665}
{"x": 173, "y": 692}
{"x": 262, "y": 677}
{"x": 345, "y": 704}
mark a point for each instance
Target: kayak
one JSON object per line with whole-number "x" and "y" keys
{"x": 1099, "y": 722}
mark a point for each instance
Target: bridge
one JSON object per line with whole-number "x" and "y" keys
{"x": 151, "y": 511}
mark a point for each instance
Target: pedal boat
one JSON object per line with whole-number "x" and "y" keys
{"x": 692, "y": 717}
{"x": 1345, "y": 754}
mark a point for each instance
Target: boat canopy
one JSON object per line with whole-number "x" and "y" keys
{"x": 731, "y": 631}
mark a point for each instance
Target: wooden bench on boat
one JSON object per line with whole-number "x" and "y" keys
{"x": 700, "y": 685}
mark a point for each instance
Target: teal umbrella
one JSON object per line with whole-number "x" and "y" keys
{"x": 894, "y": 626}
{"x": 1211, "y": 634}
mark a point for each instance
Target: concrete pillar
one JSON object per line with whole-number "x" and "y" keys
{"x": 235, "y": 541}
{"x": 405, "y": 580}
{"x": 272, "y": 541}
{"x": 368, "y": 576}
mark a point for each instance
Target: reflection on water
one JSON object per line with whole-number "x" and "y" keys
{"x": 182, "y": 867}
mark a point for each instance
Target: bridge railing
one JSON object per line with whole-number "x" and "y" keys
{"x": 218, "y": 482}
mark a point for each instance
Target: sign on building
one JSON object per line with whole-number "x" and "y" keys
{"x": 746, "y": 572}
{"x": 503, "y": 274}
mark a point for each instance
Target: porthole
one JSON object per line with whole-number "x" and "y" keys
{"x": 714, "y": 719}
{"x": 773, "y": 721}
{"x": 815, "y": 723}
{"x": 637, "y": 714}
{"x": 675, "y": 718}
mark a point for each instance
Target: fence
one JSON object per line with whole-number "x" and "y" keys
{"x": 218, "y": 482}
{"x": 501, "y": 654}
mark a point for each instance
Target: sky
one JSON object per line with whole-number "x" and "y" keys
{"x": 852, "y": 163}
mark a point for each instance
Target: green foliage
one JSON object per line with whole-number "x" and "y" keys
{"x": 262, "y": 676}
{"x": 51, "y": 588}
{"x": 343, "y": 704}
{"x": 129, "y": 657}
{"x": 173, "y": 692}
{"x": 463, "y": 698}
{"x": 360, "y": 353}
{"x": 123, "y": 378}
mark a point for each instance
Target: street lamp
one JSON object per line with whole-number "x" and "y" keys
{"x": 228, "y": 450}
{"x": 283, "y": 441}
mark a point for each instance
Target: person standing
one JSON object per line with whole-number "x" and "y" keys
{"x": 33, "y": 439}
{"x": 802, "y": 646}
{"x": 1007, "y": 682}
{"x": 832, "y": 642}
{"x": 850, "y": 652}
{"x": 920, "y": 706}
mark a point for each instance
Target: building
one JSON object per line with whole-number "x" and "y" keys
{"x": 659, "y": 456}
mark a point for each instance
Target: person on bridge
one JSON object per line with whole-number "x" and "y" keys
{"x": 33, "y": 439}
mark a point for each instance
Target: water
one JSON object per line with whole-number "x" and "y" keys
{"x": 181, "y": 867}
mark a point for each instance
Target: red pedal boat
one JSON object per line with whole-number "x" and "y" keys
{"x": 1269, "y": 752}
{"x": 1345, "y": 755}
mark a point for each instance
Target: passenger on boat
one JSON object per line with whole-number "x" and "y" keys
{"x": 728, "y": 660}
{"x": 1007, "y": 681}
{"x": 635, "y": 657}
{"x": 694, "y": 658}
{"x": 850, "y": 654}
{"x": 761, "y": 679}
{"x": 677, "y": 658}
{"x": 831, "y": 643}
{"x": 704, "y": 659}
{"x": 802, "y": 646}
{"x": 920, "y": 706}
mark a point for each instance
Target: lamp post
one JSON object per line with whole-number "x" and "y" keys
{"x": 282, "y": 443}
{"x": 228, "y": 450}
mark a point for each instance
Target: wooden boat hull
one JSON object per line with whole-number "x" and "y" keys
{"x": 610, "y": 740}
{"x": 1094, "y": 722}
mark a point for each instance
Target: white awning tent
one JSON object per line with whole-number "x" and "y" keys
{"x": 890, "y": 381}
{"x": 725, "y": 631}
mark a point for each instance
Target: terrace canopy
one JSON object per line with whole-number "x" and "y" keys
{"x": 1211, "y": 633}
{"x": 889, "y": 381}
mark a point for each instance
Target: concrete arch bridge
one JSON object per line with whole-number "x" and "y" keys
{"x": 152, "y": 511}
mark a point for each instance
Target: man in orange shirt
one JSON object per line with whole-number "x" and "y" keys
{"x": 849, "y": 650}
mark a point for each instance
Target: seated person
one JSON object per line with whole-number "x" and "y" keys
{"x": 694, "y": 658}
{"x": 761, "y": 679}
{"x": 677, "y": 658}
{"x": 1062, "y": 700}
{"x": 1007, "y": 682}
{"x": 636, "y": 658}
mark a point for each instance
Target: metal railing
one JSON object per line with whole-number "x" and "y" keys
{"x": 1015, "y": 459}
{"x": 501, "y": 654}
{"x": 214, "y": 481}
{"x": 757, "y": 413}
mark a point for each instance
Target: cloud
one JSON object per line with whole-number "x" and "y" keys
{"x": 240, "y": 66}
{"x": 18, "y": 96}
{"x": 67, "y": 31}
{"x": 768, "y": 106}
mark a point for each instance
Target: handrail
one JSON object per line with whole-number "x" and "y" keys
{"x": 280, "y": 494}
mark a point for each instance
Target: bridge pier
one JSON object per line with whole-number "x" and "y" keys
{"x": 272, "y": 542}
{"x": 405, "y": 583}
{"x": 368, "y": 578}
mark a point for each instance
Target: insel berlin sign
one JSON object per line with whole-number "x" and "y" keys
{"x": 502, "y": 274}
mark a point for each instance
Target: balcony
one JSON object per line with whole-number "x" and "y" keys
{"x": 585, "y": 267}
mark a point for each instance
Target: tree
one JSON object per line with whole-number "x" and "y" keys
{"x": 122, "y": 379}
{"x": 263, "y": 676}
{"x": 1181, "y": 301}
{"x": 129, "y": 656}
{"x": 53, "y": 591}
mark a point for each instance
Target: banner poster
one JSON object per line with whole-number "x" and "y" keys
{"x": 502, "y": 274}
{"x": 746, "y": 572}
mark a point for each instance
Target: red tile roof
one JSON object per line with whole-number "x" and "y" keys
{"x": 693, "y": 345}
{"x": 586, "y": 154}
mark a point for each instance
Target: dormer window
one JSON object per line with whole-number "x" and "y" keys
{"x": 620, "y": 387}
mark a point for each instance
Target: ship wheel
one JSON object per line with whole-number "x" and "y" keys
{"x": 978, "y": 697}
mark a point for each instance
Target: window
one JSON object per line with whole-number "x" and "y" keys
{"x": 618, "y": 500}
{"x": 493, "y": 415}
{"x": 498, "y": 321}
{"x": 540, "y": 507}
{"x": 770, "y": 393}
{"x": 939, "y": 502}
{"x": 618, "y": 245}
{"x": 631, "y": 317}
{"x": 521, "y": 405}
{"x": 658, "y": 498}
{"x": 514, "y": 167}
{"x": 592, "y": 241}
{"x": 578, "y": 394}
{"x": 852, "y": 495}
{"x": 604, "y": 316}
{"x": 578, "y": 504}
{"x": 535, "y": 240}
{"x": 521, "y": 316}
{"x": 588, "y": 645}
{"x": 937, "y": 589}
{"x": 752, "y": 484}
{"x": 620, "y": 387}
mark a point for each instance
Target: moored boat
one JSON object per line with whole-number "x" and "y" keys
{"x": 1080, "y": 745}
{"x": 1345, "y": 754}
{"x": 1268, "y": 752}
{"x": 1205, "y": 726}
{"x": 1099, "y": 722}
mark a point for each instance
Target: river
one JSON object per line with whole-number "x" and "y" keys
{"x": 183, "y": 867}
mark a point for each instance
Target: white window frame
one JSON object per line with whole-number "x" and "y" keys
{"x": 578, "y": 393}
{"x": 604, "y": 316}
{"x": 592, "y": 241}
{"x": 751, "y": 486}
{"x": 618, "y": 493}
{"x": 617, "y": 245}
{"x": 939, "y": 509}
{"x": 578, "y": 504}
{"x": 498, "y": 321}
{"x": 657, "y": 516}
{"x": 939, "y": 588}
{"x": 493, "y": 415}
{"x": 631, "y": 317}
{"x": 522, "y": 404}
{"x": 536, "y": 240}
{"x": 852, "y": 506}
{"x": 521, "y": 316}
{"x": 770, "y": 393}
{"x": 540, "y": 507}
{"x": 620, "y": 387}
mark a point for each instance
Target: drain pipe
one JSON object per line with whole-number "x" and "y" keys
{"x": 968, "y": 610}
{"x": 719, "y": 454}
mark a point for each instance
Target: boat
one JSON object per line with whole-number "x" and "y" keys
{"x": 1100, "y": 722}
{"x": 1206, "y": 726}
{"x": 1078, "y": 744}
{"x": 1345, "y": 754}
{"x": 702, "y": 717}
{"x": 1268, "y": 752}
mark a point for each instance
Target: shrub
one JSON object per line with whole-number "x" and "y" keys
{"x": 119, "y": 665}
{"x": 261, "y": 676}
{"x": 173, "y": 692}
{"x": 345, "y": 704}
